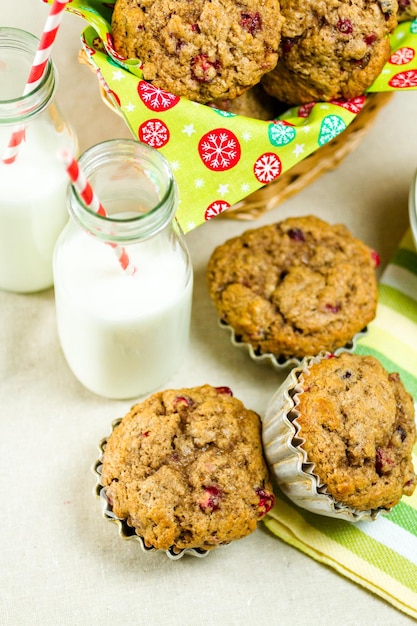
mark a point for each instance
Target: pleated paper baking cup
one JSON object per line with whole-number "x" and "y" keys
{"x": 280, "y": 363}
{"x": 126, "y": 531}
{"x": 288, "y": 462}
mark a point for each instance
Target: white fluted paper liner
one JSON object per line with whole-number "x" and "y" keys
{"x": 280, "y": 363}
{"x": 126, "y": 531}
{"x": 288, "y": 461}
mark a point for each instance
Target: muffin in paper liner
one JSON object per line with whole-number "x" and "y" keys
{"x": 126, "y": 531}
{"x": 280, "y": 363}
{"x": 288, "y": 461}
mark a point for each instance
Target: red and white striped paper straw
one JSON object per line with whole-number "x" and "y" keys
{"x": 40, "y": 62}
{"x": 91, "y": 200}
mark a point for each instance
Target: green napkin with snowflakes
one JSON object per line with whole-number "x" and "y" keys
{"x": 219, "y": 158}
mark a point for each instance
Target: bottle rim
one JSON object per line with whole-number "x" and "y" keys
{"x": 21, "y": 108}
{"x": 120, "y": 229}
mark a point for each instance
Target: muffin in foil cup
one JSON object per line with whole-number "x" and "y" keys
{"x": 288, "y": 461}
{"x": 126, "y": 531}
{"x": 280, "y": 363}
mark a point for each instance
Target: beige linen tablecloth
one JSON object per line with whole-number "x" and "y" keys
{"x": 61, "y": 563}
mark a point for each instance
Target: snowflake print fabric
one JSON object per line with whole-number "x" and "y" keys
{"x": 219, "y": 158}
{"x": 156, "y": 99}
{"x": 400, "y": 73}
{"x": 219, "y": 150}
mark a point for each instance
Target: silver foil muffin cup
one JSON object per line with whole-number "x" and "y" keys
{"x": 280, "y": 363}
{"x": 288, "y": 461}
{"x": 126, "y": 531}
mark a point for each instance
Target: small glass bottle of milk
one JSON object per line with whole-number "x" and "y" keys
{"x": 123, "y": 333}
{"x": 33, "y": 185}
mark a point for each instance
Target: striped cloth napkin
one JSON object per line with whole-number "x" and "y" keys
{"x": 380, "y": 555}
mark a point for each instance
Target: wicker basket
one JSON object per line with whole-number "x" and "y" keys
{"x": 305, "y": 172}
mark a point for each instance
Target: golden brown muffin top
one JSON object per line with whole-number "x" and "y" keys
{"x": 357, "y": 423}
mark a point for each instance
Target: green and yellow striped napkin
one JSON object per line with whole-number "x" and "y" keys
{"x": 380, "y": 555}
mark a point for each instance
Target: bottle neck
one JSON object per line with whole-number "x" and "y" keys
{"x": 135, "y": 186}
{"x": 17, "y": 51}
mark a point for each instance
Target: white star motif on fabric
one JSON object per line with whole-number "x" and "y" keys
{"x": 299, "y": 149}
{"x": 190, "y": 226}
{"x": 117, "y": 75}
{"x": 130, "y": 107}
{"x": 199, "y": 182}
{"x": 306, "y": 128}
{"x": 223, "y": 190}
{"x": 324, "y": 107}
{"x": 189, "y": 129}
{"x": 246, "y": 136}
{"x": 175, "y": 166}
{"x": 244, "y": 187}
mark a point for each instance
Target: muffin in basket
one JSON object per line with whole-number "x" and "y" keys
{"x": 407, "y": 10}
{"x": 201, "y": 50}
{"x": 254, "y": 102}
{"x": 185, "y": 469}
{"x": 338, "y": 436}
{"x": 294, "y": 288}
{"x": 331, "y": 50}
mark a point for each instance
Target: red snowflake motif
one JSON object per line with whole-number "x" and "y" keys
{"x": 215, "y": 208}
{"x": 402, "y": 56}
{"x": 304, "y": 109}
{"x": 111, "y": 48}
{"x": 154, "y": 132}
{"x": 219, "y": 149}
{"x": 354, "y": 105}
{"x": 156, "y": 99}
{"x": 267, "y": 168}
{"x": 404, "y": 80}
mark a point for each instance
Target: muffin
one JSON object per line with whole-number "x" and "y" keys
{"x": 407, "y": 10}
{"x": 294, "y": 288}
{"x": 331, "y": 50}
{"x": 338, "y": 436}
{"x": 254, "y": 103}
{"x": 201, "y": 50}
{"x": 185, "y": 469}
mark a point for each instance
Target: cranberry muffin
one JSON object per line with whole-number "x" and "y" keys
{"x": 185, "y": 468}
{"x": 350, "y": 426}
{"x": 294, "y": 288}
{"x": 407, "y": 10}
{"x": 202, "y": 50}
{"x": 331, "y": 50}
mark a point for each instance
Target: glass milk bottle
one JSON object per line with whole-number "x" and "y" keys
{"x": 33, "y": 185}
{"x": 123, "y": 333}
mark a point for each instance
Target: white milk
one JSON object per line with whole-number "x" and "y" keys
{"x": 32, "y": 206}
{"x": 122, "y": 336}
